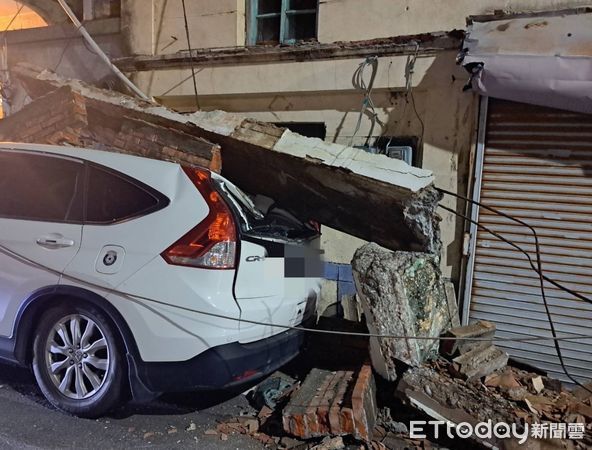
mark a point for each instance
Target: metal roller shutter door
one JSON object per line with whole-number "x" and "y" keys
{"x": 537, "y": 166}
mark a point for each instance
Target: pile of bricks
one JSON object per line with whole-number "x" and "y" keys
{"x": 55, "y": 117}
{"x": 64, "y": 116}
{"x": 333, "y": 403}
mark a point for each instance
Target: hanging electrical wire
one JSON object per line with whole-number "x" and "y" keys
{"x": 501, "y": 213}
{"x": 135, "y": 297}
{"x": 409, "y": 96}
{"x": 368, "y": 106}
{"x": 538, "y": 269}
{"x": 193, "y": 75}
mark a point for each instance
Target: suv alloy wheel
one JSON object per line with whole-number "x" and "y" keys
{"x": 77, "y": 361}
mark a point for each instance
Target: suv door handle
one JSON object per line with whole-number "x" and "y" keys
{"x": 54, "y": 240}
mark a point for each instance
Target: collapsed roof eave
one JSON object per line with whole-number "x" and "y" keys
{"x": 373, "y": 197}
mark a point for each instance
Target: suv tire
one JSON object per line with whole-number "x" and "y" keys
{"x": 77, "y": 360}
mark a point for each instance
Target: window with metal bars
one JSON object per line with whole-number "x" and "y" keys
{"x": 282, "y": 21}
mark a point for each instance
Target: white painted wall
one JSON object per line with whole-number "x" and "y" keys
{"x": 158, "y": 27}
{"x": 348, "y": 20}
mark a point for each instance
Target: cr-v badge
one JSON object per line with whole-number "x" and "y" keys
{"x": 255, "y": 258}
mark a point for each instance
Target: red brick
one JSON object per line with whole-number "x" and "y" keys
{"x": 333, "y": 403}
{"x": 364, "y": 403}
{"x": 65, "y": 116}
{"x": 336, "y": 413}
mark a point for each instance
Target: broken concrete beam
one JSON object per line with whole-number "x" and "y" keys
{"x": 480, "y": 361}
{"x": 429, "y": 43}
{"x": 333, "y": 404}
{"x": 462, "y": 342}
{"x": 504, "y": 380}
{"x": 373, "y": 197}
{"x": 65, "y": 117}
{"x": 402, "y": 294}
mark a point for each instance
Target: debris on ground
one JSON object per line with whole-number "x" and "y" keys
{"x": 333, "y": 403}
{"x": 507, "y": 395}
{"x": 402, "y": 294}
{"x": 472, "y": 358}
{"x": 481, "y": 361}
{"x": 329, "y": 443}
{"x": 462, "y": 342}
{"x": 270, "y": 391}
{"x": 330, "y": 401}
{"x": 432, "y": 389}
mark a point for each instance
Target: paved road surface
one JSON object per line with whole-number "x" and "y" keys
{"x": 27, "y": 421}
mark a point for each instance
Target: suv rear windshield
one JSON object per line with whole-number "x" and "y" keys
{"x": 273, "y": 221}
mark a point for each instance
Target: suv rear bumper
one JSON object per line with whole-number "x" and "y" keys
{"x": 221, "y": 367}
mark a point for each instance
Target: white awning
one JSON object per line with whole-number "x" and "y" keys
{"x": 541, "y": 59}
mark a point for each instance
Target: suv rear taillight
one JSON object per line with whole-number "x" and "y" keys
{"x": 212, "y": 243}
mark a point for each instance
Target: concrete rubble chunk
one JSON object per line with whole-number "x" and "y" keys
{"x": 480, "y": 361}
{"x": 373, "y": 197}
{"x": 463, "y": 336}
{"x": 402, "y": 294}
{"x": 452, "y": 304}
{"x": 333, "y": 403}
{"x": 335, "y": 443}
{"x": 503, "y": 379}
{"x": 583, "y": 393}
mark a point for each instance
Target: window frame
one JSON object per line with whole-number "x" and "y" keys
{"x": 80, "y": 188}
{"x": 83, "y": 185}
{"x": 284, "y": 13}
{"x": 162, "y": 201}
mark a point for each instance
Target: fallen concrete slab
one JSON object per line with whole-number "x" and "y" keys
{"x": 402, "y": 294}
{"x": 373, "y": 197}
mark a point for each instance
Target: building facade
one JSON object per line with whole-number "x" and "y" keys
{"x": 309, "y": 65}
{"x": 426, "y": 109}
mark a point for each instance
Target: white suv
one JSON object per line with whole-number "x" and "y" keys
{"x": 108, "y": 262}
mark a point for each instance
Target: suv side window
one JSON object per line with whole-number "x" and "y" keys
{"x": 40, "y": 187}
{"x": 112, "y": 197}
